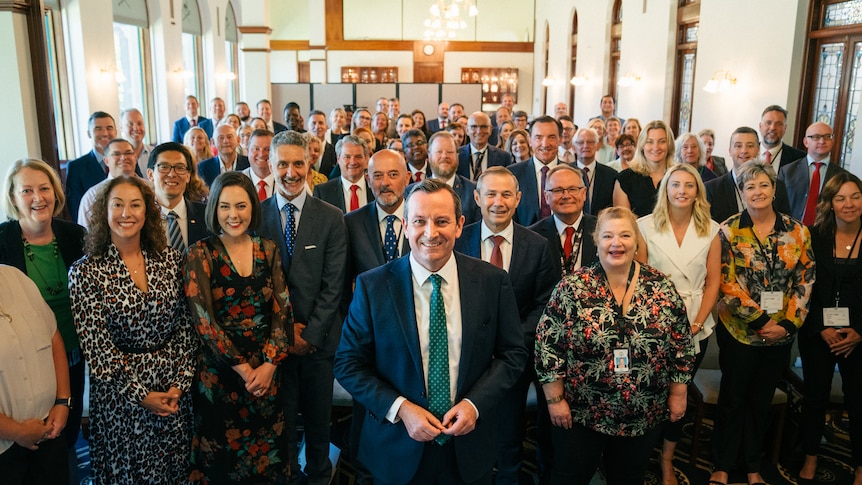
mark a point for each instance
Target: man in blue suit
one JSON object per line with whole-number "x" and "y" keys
{"x": 524, "y": 254}
{"x": 228, "y": 158}
{"x": 169, "y": 169}
{"x": 313, "y": 245}
{"x": 479, "y": 154}
{"x": 545, "y": 136}
{"x": 90, "y": 169}
{"x": 349, "y": 191}
{"x": 182, "y": 125}
{"x": 443, "y": 160}
{"x": 442, "y": 119}
{"x": 430, "y": 347}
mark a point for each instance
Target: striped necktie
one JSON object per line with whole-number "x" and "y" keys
{"x": 175, "y": 235}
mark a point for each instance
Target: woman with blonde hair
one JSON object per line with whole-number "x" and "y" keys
{"x": 197, "y": 141}
{"x": 690, "y": 150}
{"x": 339, "y": 126}
{"x": 632, "y": 127}
{"x": 681, "y": 241}
{"x": 636, "y": 187}
{"x": 314, "y": 150}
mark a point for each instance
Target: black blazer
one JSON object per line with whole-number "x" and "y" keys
{"x": 70, "y": 240}
{"x": 496, "y": 157}
{"x": 329, "y": 159}
{"x": 823, "y": 293}
{"x": 719, "y": 166}
{"x": 332, "y": 192}
{"x": 796, "y": 178}
{"x": 278, "y": 127}
{"x": 210, "y": 168}
{"x": 603, "y": 181}
{"x": 789, "y": 155}
{"x": 197, "y": 224}
{"x": 81, "y": 174}
{"x": 548, "y": 229}
{"x": 721, "y": 194}
{"x": 530, "y": 271}
{"x": 315, "y": 274}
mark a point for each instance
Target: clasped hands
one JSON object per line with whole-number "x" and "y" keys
{"x": 423, "y": 426}
{"x": 841, "y": 341}
{"x": 163, "y": 403}
{"x": 258, "y": 379}
{"x": 34, "y": 431}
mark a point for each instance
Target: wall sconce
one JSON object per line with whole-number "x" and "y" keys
{"x": 721, "y": 81}
{"x": 549, "y": 81}
{"x": 183, "y": 73}
{"x": 579, "y": 81}
{"x": 112, "y": 73}
{"x": 630, "y": 79}
{"x": 227, "y": 76}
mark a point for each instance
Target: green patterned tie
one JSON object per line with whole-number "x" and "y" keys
{"x": 439, "y": 400}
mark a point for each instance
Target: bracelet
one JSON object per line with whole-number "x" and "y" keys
{"x": 697, "y": 325}
{"x": 555, "y": 400}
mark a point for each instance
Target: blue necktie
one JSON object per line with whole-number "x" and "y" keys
{"x": 175, "y": 235}
{"x": 439, "y": 400}
{"x": 390, "y": 241}
{"x": 289, "y": 228}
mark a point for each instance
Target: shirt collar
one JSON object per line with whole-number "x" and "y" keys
{"x": 561, "y": 226}
{"x": 180, "y": 210}
{"x": 745, "y": 221}
{"x": 346, "y": 183}
{"x": 297, "y": 202}
{"x": 449, "y": 271}
{"x": 825, "y": 161}
{"x": 382, "y": 214}
{"x": 507, "y": 233}
{"x": 538, "y": 164}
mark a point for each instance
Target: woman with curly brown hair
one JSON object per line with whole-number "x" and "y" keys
{"x": 135, "y": 333}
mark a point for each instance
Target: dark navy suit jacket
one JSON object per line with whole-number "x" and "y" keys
{"x": 210, "y": 168}
{"x": 464, "y": 187}
{"x": 796, "y": 179}
{"x": 496, "y": 157}
{"x": 529, "y": 210}
{"x": 81, "y": 174}
{"x": 548, "y": 229}
{"x": 603, "y": 181}
{"x": 721, "y": 194}
{"x": 332, "y": 192}
{"x": 379, "y": 359}
{"x": 530, "y": 271}
{"x": 181, "y": 126}
{"x": 197, "y": 224}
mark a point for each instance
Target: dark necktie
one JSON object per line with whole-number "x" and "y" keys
{"x": 439, "y": 400}
{"x": 418, "y": 177}
{"x": 354, "y": 199}
{"x": 290, "y": 228}
{"x": 587, "y": 183}
{"x": 261, "y": 190}
{"x": 175, "y": 235}
{"x": 390, "y": 241}
{"x": 545, "y": 209}
{"x": 477, "y": 167}
{"x": 496, "y": 252}
{"x": 813, "y": 195}
{"x": 194, "y": 122}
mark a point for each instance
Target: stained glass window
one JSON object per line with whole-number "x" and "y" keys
{"x": 686, "y": 90}
{"x": 844, "y": 13}
{"x": 853, "y": 107}
{"x": 691, "y": 34}
{"x": 828, "y": 83}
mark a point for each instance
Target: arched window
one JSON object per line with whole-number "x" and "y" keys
{"x": 192, "y": 54}
{"x": 832, "y": 81}
{"x": 616, "y": 44}
{"x": 132, "y": 57}
{"x": 688, "y": 21}
{"x": 574, "y": 64}
{"x": 231, "y": 57}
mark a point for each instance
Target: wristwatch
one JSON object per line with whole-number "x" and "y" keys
{"x": 64, "y": 401}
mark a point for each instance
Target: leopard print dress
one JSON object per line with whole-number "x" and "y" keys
{"x": 135, "y": 342}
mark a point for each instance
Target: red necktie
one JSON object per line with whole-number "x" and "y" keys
{"x": 813, "y": 195}
{"x": 354, "y": 199}
{"x": 194, "y": 122}
{"x": 568, "y": 245}
{"x": 418, "y": 177}
{"x": 497, "y": 253}
{"x": 767, "y": 157}
{"x": 261, "y": 190}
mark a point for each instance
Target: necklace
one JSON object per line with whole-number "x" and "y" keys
{"x": 58, "y": 287}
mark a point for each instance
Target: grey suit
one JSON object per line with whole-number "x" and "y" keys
{"x": 797, "y": 179}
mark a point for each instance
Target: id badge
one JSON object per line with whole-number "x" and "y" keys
{"x": 836, "y": 317}
{"x": 771, "y": 301}
{"x": 621, "y": 361}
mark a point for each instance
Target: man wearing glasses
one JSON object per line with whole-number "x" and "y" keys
{"x": 169, "y": 170}
{"x": 479, "y": 154}
{"x": 598, "y": 177}
{"x": 805, "y": 177}
{"x": 121, "y": 160}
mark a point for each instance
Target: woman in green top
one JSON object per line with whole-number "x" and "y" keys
{"x": 44, "y": 248}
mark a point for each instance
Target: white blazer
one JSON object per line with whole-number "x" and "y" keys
{"x": 684, "y": 264}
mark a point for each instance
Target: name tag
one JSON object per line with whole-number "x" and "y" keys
{"x": 836, "y": 317}
{"x": 621, "y": 361}
{"x": 771, "y": 301}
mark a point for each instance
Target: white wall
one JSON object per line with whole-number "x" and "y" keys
{"x": 20, "y": 139}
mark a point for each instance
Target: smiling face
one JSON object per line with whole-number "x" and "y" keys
{"x": 102, "y": 131}
{"x": 388, "y": 176}
{"x": 772, "y": 128}
{"x": 290, "y": 168}
{"x": 217, "y": 109}
{"x": 133, "y": 127}
{"x": 234, "y": 211}
{"x": 34, "y": 197}
{"x": 264, "y": 110}
{"x": 169, "y": 187}
{"x": 126, "y": 213}
{"x": 617, "y": 242}
{"x": 120, "y": 159}
{"x": 758, "y": 192}
{"x": 656, "y": 146}
{"x": 403, "y": 125}
{"x": 353, "y": 162}
{"x": 520, "y": 147}
{"x": 498, "y": 197}
{"x": 743, "y": 147}
{"x": 443, "y": 157}
{"x": 847, "y": 203}
{"x": 681, "y": 189}
{"x": 708, "y": 145}
{"x": 432, "y": 228}
{"x": 293, "y": 118}
{"x": 317, "y": 125}
{"x": 192, "y": 107}
{"x": 226, "y": 141}
{"x": 416, "y": 151}
{"x": 690, "y": 151}
{"x": 242, "y": 111}
{"x": 258, "y": 154}
{"x": 545, "y": 140}
{"x": 565, "y": 194}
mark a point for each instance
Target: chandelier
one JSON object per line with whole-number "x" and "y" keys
{"x": 445, "y": 20}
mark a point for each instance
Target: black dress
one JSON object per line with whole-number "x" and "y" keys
{"x": 640, "y": 191}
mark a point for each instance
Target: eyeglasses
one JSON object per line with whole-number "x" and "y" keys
{"x": 416, "y": 144}
{"x": 626, "y": 145}
{"x": 586, "y": 142}
{"x": 820, "y": 137}
{"x": 165, "y": 168}
{"x": 122, "y": 154}
{"x": 560, "y": 191}
{"x": 479, "y": 127}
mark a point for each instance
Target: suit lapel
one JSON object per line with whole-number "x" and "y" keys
{"x": 518, "y": 255}
{"x": 468, "y": 282}
{"x": 373, "y": 234}
{"x": 401, "y": 292}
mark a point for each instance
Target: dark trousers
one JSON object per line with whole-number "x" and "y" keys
{"x": 439, "y": 466}
{"x": 818, "y": 365}
{"x": 46, "y": 466}
{"x": 512, "y": 410}
{"x": 749, "y": 376}
{"x": 673, "y": 430}
{"x": 307, "y": 389}
{"x": 579, "y": 450}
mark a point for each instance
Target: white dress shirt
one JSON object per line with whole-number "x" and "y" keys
{"x": 590, "y": 176}
{"x": 255, "y": 180}
{"x": 397, "y": 226}
{"x": 298, "y": 202}
{"x": 474, "y": 152}
{"x": 538, "y": 166}
{"x": 144, "y": 159}
{"x": 487, "y": 245}
{"x": 361, "y": 194}
{"x": 182, "y": 219}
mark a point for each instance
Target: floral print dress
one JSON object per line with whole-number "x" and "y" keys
{"x": 238, "y": 437}
{"x": 583, "y": 325}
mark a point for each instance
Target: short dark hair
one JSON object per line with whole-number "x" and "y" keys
{"x": 608, "y": 96}
{"x": 430, "y": 186}
{"x": 291, "y": 104}
{"x": 259, "y": 132}
{"x": 410, "y": 134}
{"x": 519, "y": 114}
{"x": 315, "y": 112}
{"x": 170, "y": 146}
{"x": 566, "y": 118}
{"x": 264, "y": 100}
{"x": 98, "y": 115}
{"x": 547, "y": 119}
{"x": 625, "y": 138}
{"x": 774, "y": 107}
{"x": 747, "y": 130}
{"x": 231, "y": 179}
{"x": 117, "y": 140}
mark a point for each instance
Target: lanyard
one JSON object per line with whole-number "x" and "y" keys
{"x": 839, "y": 280}
{"x": 576, "y": 251}
{"x": 769, "y": 258}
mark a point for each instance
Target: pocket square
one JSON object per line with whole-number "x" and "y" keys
{"x": 311, "y": 246}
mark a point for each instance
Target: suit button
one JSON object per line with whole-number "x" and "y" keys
{"x": 422, "y": 395}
